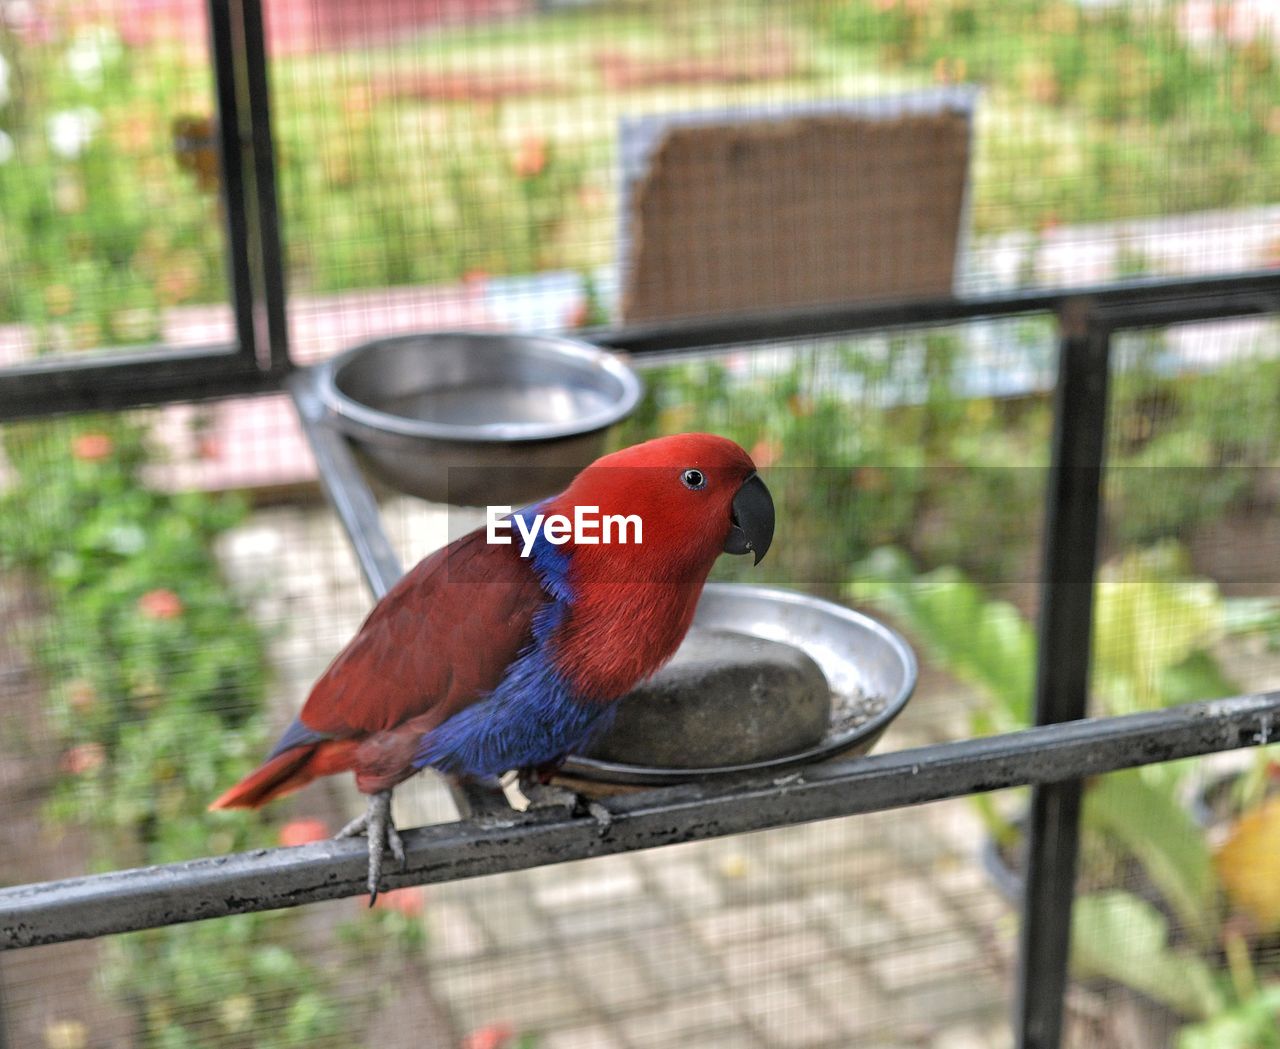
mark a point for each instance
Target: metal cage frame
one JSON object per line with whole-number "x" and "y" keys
{"x": 258, "y": 359}
{"x": 1053, "y": 757}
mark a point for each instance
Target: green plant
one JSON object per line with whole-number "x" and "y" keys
{"x": 1096, "y": 99}
{"x": 1154, "y": 626}
{"x": 157, "y": 681}
{"x": 1190, "y": 448}
{"x": 468, "y": 200}
{"x": 238, "y": 983}
{"x": 99, "y": 230}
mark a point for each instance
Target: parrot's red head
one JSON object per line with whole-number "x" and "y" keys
{"x": 698, "y": 495}
{"x": 629, "y": 606}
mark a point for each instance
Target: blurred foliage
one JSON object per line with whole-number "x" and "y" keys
{"x": 1189, "y": 447}
{"x": 1155, "y": 626}
{"x": 436, "y": 158}
{"x": 158, "y": 682}
{"x": 236, "y": 983}
{"x": 1101, "y": 98}
{"x": 402, "y": 199}
{"x": 1249, "y": 1024}
{"x": 878, "y": 442}
{"x": 868, "y": 443}
{"x": 1124, "y": 938}
{"x": 984, "y": 642}
{"x": 99, "y": 229}
{"x": 150, "y": 647}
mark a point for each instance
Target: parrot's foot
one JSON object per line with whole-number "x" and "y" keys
{"x": 376, "y": 825}
{"x": 546, "y": 796}
{"x": 602, "y": 816}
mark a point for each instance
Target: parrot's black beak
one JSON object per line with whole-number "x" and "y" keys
{"x": 751, "y": 515}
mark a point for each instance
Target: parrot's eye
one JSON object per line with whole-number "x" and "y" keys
{"x": 694, "y": 479}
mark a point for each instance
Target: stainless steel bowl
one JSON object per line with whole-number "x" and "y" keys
{"x": 472, "y": 418}
{"x": 859, "y": 656}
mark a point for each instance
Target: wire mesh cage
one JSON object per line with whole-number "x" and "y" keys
{"x": 172, "y": 585}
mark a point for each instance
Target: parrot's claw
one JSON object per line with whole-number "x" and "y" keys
{"x": 377, "y": 826}
{"x": 546, "y": 796}
{"x": 602, "y": 816}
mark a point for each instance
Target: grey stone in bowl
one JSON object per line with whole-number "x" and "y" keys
{"x": 869, "y": 668}
{"x": 725, "y": 698}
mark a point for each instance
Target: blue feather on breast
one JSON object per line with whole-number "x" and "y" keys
{"x": 533, "y": 716}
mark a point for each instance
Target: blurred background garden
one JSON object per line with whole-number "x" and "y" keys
{"x": 172, "y": 583}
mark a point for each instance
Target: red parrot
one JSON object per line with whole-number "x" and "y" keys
{"x": 507, "y": 648}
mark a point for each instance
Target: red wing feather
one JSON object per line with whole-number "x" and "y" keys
{"x": 289, "y": 771}
{"x": 442, "y": 637}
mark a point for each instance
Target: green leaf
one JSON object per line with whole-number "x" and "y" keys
{"x": 1148, "y": 820}
{"x": 1197, "y": 677}
{"x": 986, "y": 643}
{"x": 1248, "y": 615}
{"x": 1250, "y": 1025}
{"x": 1119, "y": 937}
{"x": 1149, "y": 616}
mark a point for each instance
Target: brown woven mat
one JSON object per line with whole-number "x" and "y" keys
{"x": 766, "y": 214}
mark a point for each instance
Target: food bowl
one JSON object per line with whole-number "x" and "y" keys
{"x": 870, "y": 669}
{"x": 474, "y": 418}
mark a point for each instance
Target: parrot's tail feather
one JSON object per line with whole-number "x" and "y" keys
{"x": 287, "y": 772}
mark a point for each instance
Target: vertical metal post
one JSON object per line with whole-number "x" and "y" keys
{"x": 4, "y": 1024}
{"x": 265, "y": 214}
{"x": 1072, "y": 509}
{"x": 222, "y": 52}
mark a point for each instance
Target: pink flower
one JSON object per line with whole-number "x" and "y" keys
{"x": 1049, "y": 221}
{"x": 409, "y": 901}
{"x": 531, "y": 158}
{"x": 491, "y": 1036}
{"x": 160, "y": 604}
{"x": 92, "y": 447}
{"x": 82, "y": 759}
{"x": 299, "y": 832}
{"x": 765, "y": 453}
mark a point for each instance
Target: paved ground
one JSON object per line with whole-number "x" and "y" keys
{"x": 879, "y": 931}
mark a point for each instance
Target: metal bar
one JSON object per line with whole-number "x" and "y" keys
{"x": 1072, "y": 508}
{"x": 92, "y": 384}
{"x": 265, "y": 213}
{"x": 357, "y": 510}
{"x": 125, "y": 381}
{"x": 1200, "y": 298}
{"x": 151, "y": 375}
{"x": 268, "y": 878}
{"x": 4, "y": 1011}
{"x": 345, "y": 487}
{"x": 231, "y": 171}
